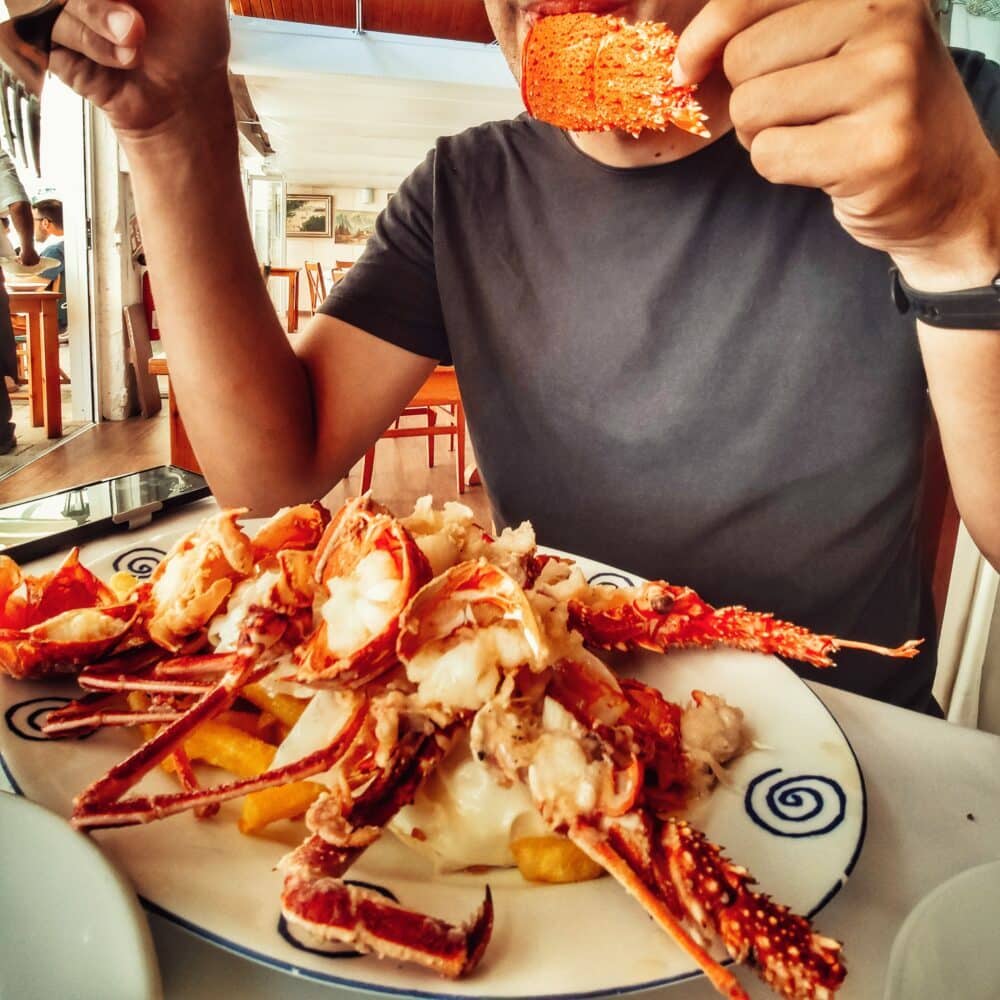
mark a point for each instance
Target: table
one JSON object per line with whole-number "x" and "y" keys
{"x": 41, "y": 311}
{"x": 291, "y": 275}
{"x": 933, "y": 811}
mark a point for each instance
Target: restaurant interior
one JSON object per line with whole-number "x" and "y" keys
{"x": 337, "y": 102}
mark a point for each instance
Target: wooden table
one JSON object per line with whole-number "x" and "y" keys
{"x": 181, "y": 452}
{"x": 291, "y": 275}
{"x": 42, "y": 341}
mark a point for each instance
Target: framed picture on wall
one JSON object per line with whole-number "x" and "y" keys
{"x": 355, "y": 227}
{"x": 309, "y": 215}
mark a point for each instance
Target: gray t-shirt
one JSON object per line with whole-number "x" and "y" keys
{"x": 682, "y": 370}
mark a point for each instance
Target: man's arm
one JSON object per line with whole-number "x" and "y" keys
{"x": 24, "y": 225}
{"x": 270, "y": 424}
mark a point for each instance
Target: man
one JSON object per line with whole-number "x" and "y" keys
{"x": 13, "y": 200}
{"x": 49, "y": 242}
{"x": 676, "y": 356}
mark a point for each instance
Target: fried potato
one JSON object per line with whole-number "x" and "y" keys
{"x": 229, "y": 748}
{"x": 553, "y": 859}
{"x": 282, "y": 706}
{"x": 122, "y": 584}
{"x": 269, "y": 805}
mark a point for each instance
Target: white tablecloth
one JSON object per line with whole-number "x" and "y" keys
{"x": 933, "y": 811}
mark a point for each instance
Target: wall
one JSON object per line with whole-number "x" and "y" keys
{"x": 300, "y": 249}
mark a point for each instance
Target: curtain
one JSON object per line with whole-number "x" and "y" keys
{"x": 968, "y": 677}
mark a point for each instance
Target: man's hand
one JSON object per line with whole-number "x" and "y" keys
{"x": 29, "y": 256}
{"x": 141, "y": 62}
{"x": 861, "y": 98}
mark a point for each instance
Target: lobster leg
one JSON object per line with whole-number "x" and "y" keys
{"x": 659, "y": 616}
{"x": 640, "y": 885}
{"x": 99, "y": 806}
{"x": 677, "y": 874}
{"x": 327, "y": 910}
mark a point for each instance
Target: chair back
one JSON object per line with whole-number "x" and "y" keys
{"x": 317, "y": 284}
{"x": 343, "y": 265}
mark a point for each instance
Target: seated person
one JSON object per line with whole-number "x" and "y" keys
{"x": 49, "y": 239}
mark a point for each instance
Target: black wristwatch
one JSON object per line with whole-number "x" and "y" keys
{"x": 969, "y": 309}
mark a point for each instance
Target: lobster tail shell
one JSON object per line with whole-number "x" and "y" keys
{"x": 589, "y": 73}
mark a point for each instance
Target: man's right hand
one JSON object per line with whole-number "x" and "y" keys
{"x": 145, "y": 62}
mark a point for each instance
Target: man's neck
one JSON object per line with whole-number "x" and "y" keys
{"x": 619, "y": 149}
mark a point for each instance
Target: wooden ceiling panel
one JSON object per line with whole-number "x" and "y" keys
{"x": 461, "y": 20}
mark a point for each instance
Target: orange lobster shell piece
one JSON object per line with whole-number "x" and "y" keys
{"x": 589, "y": 73}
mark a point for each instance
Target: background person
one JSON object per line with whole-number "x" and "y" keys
{"x": 50, "y": 242}
{"x": 14, "y": 200}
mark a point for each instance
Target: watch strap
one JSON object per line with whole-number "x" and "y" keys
{"x": 968, "y": 309}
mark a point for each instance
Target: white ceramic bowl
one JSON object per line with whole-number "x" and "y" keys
{"x": 72, "y": 924}
{"x": 949, "y": 946}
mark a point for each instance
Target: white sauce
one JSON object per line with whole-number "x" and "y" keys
{"x": 464, "y": 817}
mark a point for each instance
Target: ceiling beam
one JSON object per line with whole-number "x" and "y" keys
{"x": 262, "y": 47}
{"x": 247, "y": 120}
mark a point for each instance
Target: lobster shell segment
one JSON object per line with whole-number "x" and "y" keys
{"x": 65, "y": 643}
{"x": 29, "y": 600}
{"x": 365, "y": 560}
{"x": 589, "y": 73}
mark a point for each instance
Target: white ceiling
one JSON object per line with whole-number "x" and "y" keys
{"x": 354, "y": 131}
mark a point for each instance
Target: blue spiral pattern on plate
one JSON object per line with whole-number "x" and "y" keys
{"x": 609, "y": 579}
{"x": 139, "y": 562}
{"x": 335, "y": 951}
{"x": 24, "y": 719}
{"x": 801, "y": 805}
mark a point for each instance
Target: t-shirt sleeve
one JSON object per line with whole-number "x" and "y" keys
{"x": 391, "y": 291}
{"x": 982, "y": 80}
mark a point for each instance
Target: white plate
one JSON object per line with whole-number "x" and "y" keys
{"x": 68, "y": 917}
{"x": 947, "y": 945}
{"x": 794, "y": 814}
{"x": 14, "y": 269}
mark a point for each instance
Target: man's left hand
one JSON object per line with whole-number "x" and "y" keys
{"x": 862, "y": 99}
{"x": 29, "y": 257}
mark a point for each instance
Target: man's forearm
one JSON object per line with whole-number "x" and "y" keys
{"x": 245, "y": 398}
{"x": 963, "y": 374}
{"x": 24, "y": 225}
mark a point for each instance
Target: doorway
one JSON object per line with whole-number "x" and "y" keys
{"x": 60, "y": 194}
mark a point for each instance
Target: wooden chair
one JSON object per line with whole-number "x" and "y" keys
{"x": 343, "y": 265}
{"x": 317, "y": 285}
{"x": 439, "y": 391}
